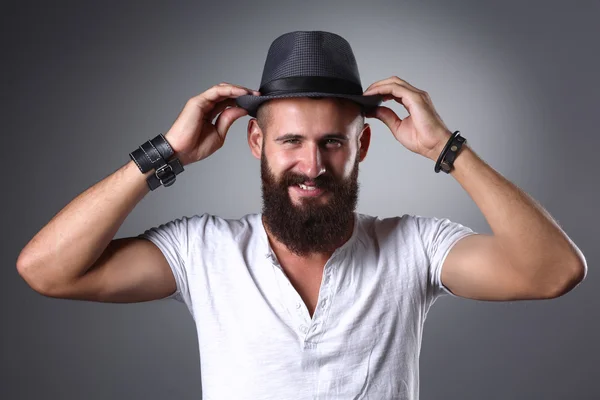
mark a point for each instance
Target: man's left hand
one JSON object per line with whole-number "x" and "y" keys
{"x": 423, "y": 131}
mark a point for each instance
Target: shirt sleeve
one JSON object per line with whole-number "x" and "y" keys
{"x": 173, "y": 239}
{"x": 439, "y": 235}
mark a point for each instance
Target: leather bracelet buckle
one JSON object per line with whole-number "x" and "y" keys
{"x": 165, "y": 175}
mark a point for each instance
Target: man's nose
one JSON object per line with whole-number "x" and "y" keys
{"x": 311, "y": 164}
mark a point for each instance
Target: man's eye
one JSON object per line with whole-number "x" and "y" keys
{"x": 291, "y": 141}
{"x": 333, "y": 142}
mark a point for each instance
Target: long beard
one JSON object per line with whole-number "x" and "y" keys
{"x": 310, "y": 227}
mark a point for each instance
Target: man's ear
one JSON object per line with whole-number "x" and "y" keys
{"x": 255, "y": 138}
{"x": 364, "y": 139}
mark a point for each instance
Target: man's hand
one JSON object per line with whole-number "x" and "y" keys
{"x": 423, "y": 131}
{"x": 193, "y": 135}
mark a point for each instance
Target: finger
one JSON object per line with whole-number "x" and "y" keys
{"x": 227, "y": 118}
{"x": 218, "y": 93}
{"x": 395, "y": 79}
{"x": 403, "y": 82}
{"x": 387, "y": 82}
{"x": 254, "y": 92}
{"x": 424, "y": 95}
{"x": 387, "y": 116}
{"x": 401, "y": 94}
{"x": 220, "y": 106}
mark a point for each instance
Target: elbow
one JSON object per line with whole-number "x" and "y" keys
{"x": 24, "y": 269}
{"x": 30, "y": 273}
{"x": 577, "y": 273}
{"x": 28, "y": 277}
{"x": 26, "y": 273}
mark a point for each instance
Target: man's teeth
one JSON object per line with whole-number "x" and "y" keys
{"x": 307, "y": 187}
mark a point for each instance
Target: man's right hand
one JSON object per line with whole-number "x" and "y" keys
{"x": 193, "y": 135}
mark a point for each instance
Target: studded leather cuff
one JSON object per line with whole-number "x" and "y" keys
{"x": 447, "y": 157}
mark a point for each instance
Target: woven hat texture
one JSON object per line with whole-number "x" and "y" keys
{"x": 309, "y": 64}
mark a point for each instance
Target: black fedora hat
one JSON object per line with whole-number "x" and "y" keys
{"x": 309, "y": 64}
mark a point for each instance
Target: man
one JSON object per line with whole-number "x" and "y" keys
{"x": 307, "y": 299}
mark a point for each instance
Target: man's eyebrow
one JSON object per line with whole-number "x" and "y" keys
{"x": 292, "y": 136}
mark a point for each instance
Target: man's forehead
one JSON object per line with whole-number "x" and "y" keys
{"x": 296, "y": 104}
{"x": 328, "y": 114}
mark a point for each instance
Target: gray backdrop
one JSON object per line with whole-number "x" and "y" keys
{"x": 85, "y": 83}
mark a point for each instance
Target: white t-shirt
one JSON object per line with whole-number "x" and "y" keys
{"x": 255, "y": 335}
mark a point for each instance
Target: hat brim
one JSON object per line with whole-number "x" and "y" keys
{"x": 251, "y": 103}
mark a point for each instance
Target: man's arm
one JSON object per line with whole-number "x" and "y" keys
{"x": 74, "y": 256}
{"x": 527, "y": 257}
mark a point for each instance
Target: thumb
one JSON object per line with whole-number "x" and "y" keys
{"x": 227, "y": 118}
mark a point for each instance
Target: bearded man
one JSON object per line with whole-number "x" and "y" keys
{"x": 308, "y": 299}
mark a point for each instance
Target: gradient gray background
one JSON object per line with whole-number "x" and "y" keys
{"x": 85, "y": 84}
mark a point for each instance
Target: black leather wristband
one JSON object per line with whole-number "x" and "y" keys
{"x": 154, "y": 154}
{"x": 150, "y": 152}
{"x": 445, "y": 161}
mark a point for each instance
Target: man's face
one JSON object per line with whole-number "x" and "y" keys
{"x": 309, "y": 168}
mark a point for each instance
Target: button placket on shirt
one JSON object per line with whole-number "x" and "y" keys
{"x": 322, "y": 306}
{"x": 306, "y": 326}
{"x": 299, "y": 312}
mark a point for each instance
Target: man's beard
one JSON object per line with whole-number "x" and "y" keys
{"x": 310, "y": 227}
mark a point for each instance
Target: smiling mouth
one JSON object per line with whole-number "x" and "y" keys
{"x": 306, "y": 187}
{"x": 307, "y": 190}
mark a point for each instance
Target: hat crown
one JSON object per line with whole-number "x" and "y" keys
{"x": 310, "y": 53}
{"x": 309, "y": 64}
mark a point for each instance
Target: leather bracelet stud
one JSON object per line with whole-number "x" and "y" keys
{"x": 445, "y": 161}
{"x": 154, "y": 154}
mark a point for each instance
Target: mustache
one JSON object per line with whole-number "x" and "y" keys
{"x": 322, "y": 181}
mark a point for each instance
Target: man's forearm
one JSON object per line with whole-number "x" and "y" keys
{"x": 76, "y": 236}
{"x": 529, "y": 235}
